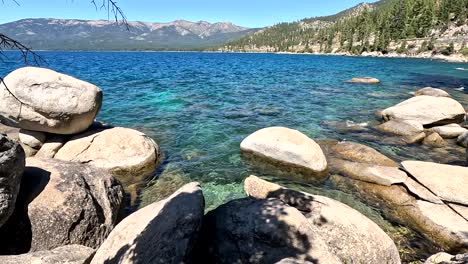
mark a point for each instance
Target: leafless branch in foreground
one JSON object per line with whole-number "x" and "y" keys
{"x": 113, "y": 10}
{"x": 28, "y": 55}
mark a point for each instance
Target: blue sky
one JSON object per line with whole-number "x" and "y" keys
{"x": 249, "y": 13}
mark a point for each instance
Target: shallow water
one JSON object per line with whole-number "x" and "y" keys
{"x": 199, "y": 107}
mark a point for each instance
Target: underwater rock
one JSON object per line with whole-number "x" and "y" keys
{"x": 365, "y": 80}
{"x": 417, "y": 138}
{"x": 434, "y": 140}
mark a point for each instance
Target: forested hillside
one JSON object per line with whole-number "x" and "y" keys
{"x": 384, "y": 26}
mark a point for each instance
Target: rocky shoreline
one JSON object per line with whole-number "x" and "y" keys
{"x": 65, "y": 179}
{"x": 454, "y": 58}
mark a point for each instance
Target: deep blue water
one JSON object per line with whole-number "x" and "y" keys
{"x": 199, "y": 107}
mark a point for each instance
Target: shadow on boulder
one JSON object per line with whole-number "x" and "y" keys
{"x": 16, "y": 234}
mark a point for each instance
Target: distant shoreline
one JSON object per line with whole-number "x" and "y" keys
{"x": 455, "y": 58}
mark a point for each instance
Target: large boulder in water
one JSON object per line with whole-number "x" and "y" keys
{"x": 350, "y": 235}
{"x": 12, "y": 161}
{"x": 62, "y": 203}
{"x": 124, "y": 152}
{"x": 71, "y": 254}
{"x": 427, "y": 110}
{"x": 44, "y": 100}
{"x": 286, "y": 147}
{"x": 163, "y": 232}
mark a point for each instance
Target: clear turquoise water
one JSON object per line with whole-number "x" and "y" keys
{"x": 199, "y": 107}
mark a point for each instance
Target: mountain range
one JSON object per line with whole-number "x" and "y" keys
{"x": 72, "y": 34}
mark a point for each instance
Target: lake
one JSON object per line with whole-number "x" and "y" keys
{"x": 199, "y": 106}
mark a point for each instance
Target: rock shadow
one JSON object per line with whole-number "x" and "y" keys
{"x": 16, "y": 233}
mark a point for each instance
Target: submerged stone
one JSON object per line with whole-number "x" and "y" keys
{"x": 365, "y": 80}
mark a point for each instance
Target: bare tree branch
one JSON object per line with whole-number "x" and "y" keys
{"x": 14, "y": 1}
{"x": 7, "y": 43}
{"x": 112, "y": 8}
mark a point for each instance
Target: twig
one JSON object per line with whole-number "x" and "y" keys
{"x": 112, "y": 7}
{"x": 7, "y": 43}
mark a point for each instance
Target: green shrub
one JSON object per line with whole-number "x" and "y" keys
{"x": 424, "y": 47}
{"x": 464, "y": 51}
{"x": 430, "y": 45}
{"x": 402, "y": 48}
{"x": 448, "y": 50}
